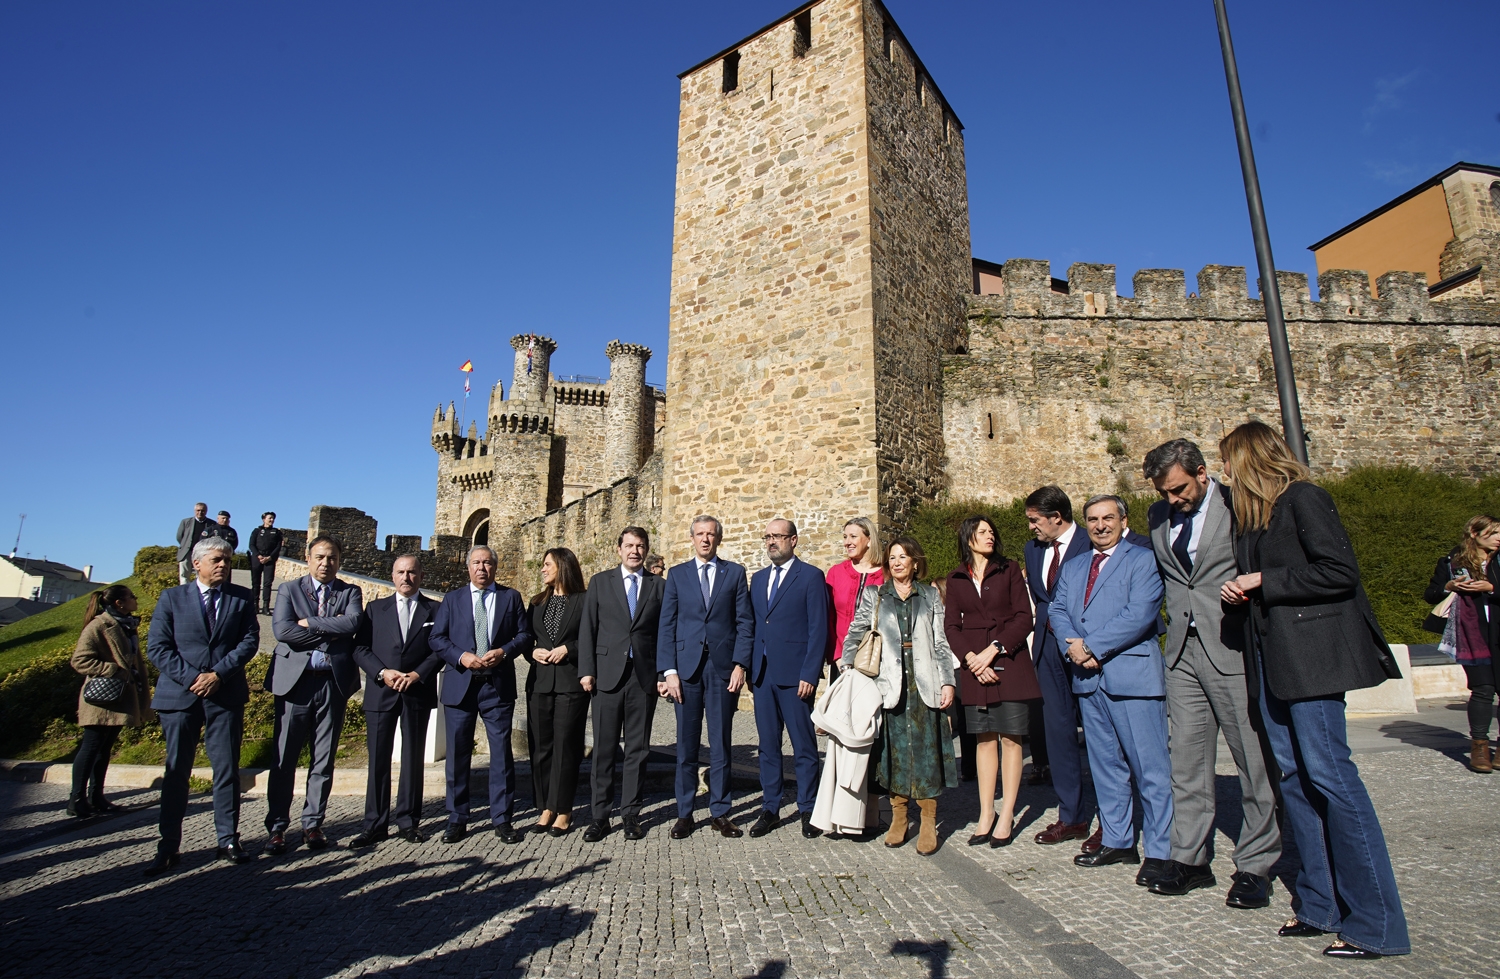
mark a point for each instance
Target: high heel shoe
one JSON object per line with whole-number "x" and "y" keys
{"x": 996, "y": 842}
{"x": 979, "y": 839}
{"x": 1343, "y": 950}
{"x": 1298, "y": 929}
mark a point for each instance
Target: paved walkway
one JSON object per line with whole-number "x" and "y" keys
{"x": 73, "y": 901}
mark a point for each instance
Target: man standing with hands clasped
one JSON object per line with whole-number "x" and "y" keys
{"x": 480, "y": 630}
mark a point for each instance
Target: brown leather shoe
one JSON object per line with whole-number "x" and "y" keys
{"x": 683, "y": 828}
{"x": 1480, "y": 759}
{"x": 722, "y": 825}
{"x": 1094, "y": 843}
{"x": 1060, "y": 831}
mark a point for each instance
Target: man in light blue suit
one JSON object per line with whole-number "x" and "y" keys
{"x": 703, "y": 652}
{"x": 1106, "y": 612}
{"x": 790, "y": 599}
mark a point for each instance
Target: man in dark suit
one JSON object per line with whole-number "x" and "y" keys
{"x": 1192, "y": 533}
{"x": 202, "y": 635}
{"x": 1049, "y": 512}
{"x": 617, "y": 664}
{"x": 190, "y": 530}
{"x": 400, "y": 687}
{"x": 790, "y": 599}
{"x": 312, "y": 675}
{"x": 703, "y": 651}
{"x": 480, "y": 630}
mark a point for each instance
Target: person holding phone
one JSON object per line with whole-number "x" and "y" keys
{"x": 1470, "y": 576}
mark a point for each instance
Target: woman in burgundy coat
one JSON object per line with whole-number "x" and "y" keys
{"x": 987, "y": 620}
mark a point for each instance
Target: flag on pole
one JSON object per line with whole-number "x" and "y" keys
{"x": 530, "y": 346}
{"x": 468, "y": 367}
{"x": 466, "y": 387}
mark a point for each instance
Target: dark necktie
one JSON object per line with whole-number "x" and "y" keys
{"x": 775, "y": 587}
{"x": 704, "y": 570}
{"x": 211, "y": 608}
{"x": 1180, "y": 545}
{"x": 1099, "y": 558}
{"x": 1056, "y": 567}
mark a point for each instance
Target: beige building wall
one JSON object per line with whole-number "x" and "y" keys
{"x": 1408, "y": 238}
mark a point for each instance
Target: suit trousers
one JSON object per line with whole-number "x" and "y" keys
{"x": 555, "y": 723}
{"x": 222, "y": 729}
{"x": 262, "y": 579}
{"x": 1060, "y": 714}
{"x": 778, "y": 707}
{"x": 380, "y": 740}
{"x": 705, "y": 694}
{"x": 481, "y": 701}
{"x": 1201, "y": 702}
{"x": 1127, "y": 742}
{"x": 311, "y": 713}
{"x": 628, "y": 711}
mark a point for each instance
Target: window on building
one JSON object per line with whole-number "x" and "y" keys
{"x": 890, "y": 39}
{"x": 1495, "y": 196}
{"x": 731, "y": 72}
{"x": 801, "y": 33}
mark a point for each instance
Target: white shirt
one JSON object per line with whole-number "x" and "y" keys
{"x": 786, "y": 569}
{"x": 489, "y": 610}
{"x": 1193, "y": 522}
{"x": 1066, "y": 541}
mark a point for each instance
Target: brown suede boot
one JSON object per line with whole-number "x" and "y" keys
{"x": 1480, "y": 759}
{"x": 927, "y": 841}
{"x": 897, "y": 834}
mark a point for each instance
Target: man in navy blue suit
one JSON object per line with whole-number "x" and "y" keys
{"x": 479, "y": 631}
{"x": 703, "y": 652}
{"x": 202, "y": 635}
{"x": 790, "y": 599}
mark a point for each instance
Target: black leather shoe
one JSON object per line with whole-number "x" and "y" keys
{"x": 163, "y": 861}
{"x": 1299, "y": 929}
{"x": 980, "y": 839}
{"x": 233, "y": 853}
{"x": 597, "y": 831}
{"x": 726, "y": 828}
{"x": 556, "y": 831}
{"x": 411, "y": 835}
{"x": 1249, "y": 891}
{"x": 1179, "y": 878}
{"x": 764, "y": 823}
{"x": 276, "y": 845}
{"x": 1040, "y": 776}
{"x": 1343, "y": 950}
{"x": 314, "y": 839}
{"x": 809, "y": 831}
{"x": 104, "y": 807}
{"x": 455, "y": 832}
{"x": 369, "y": 838}
{"x": 1106, "y": 855}
{"x": 1151, "y": 869}
{"x": 633, "y": 828}
{"x": 506, "y": 832}
{"x": 80, "y": 809}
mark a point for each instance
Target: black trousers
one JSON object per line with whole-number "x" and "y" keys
{"x": 555, "y": 723}
{"x": 380, "y": 740}
{"x": 626, "y": 710}
{"x": 262, "y": 577}
{"x": 1481, "y": 678}
{"x": 92, "y": 761}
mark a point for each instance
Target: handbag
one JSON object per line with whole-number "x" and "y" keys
{"x": 104, "y": 692}
{"x": 867, "y": 657}
{"x": 1448, "y": 645}
{"x": 1437, "y": 620}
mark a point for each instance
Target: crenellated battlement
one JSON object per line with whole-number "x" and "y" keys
{"x": 585, "y": 395}
{"x": 519, "y": 424}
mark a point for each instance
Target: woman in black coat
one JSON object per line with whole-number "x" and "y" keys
{"x": 1472, "y": 578}
{"x": 1313, "y": 637}
{"x": 556, "y": 704}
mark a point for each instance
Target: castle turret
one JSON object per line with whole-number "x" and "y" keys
{"x": 623, "y": 437}
{"x": 497, "y": 401}
{"x": 445, "y": 429}
{"x": 533, "y": 359}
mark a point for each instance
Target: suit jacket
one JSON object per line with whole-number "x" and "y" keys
{"x": 1195, "y": 597}
{"x": 997, "y": 611}
{"x": 1118, "y": 622}
{"x": 1043, "y": 642}
{"x": 179, "y": 645}
{"x": 378, "y": 646}
{"x": 555, "y": 677}
{"x": 185, "y": 538}
{"x": 1318, "y": 634}
{"x": 791, "y": 633}
{"x": 333, "y": 634}
{"x": 607, "y": 631}
{"x": 453, "y": 635}
{"x": 725, "y": 629}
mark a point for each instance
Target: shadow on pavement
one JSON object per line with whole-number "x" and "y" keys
{"x": 935, "y": 953}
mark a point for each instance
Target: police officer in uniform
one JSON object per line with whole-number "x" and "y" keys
{"x": 264, "y": 549}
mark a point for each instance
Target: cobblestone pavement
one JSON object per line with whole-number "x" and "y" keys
{"x": 73, "y": 901}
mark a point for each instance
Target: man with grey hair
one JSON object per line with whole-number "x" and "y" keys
{"x": 190, "y": 530}
{"x": 202, "y": 635}
{"x": 1192, "y": 534}
{"x": 479, "y": 631}
{"x": 703, "y": 652}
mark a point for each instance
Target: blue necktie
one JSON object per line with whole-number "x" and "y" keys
{"x": 211, "y": 608}
{"x": 775, "y": 587}
{"x": 631, "y": 594}
{"x": 704, "y": 570}
{"x": 1180, "y": 545}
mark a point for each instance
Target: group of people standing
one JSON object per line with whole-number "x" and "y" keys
{"x": 1265, "y": 622}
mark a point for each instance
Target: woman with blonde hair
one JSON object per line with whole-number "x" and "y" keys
{"x": 848, "y": 579}
{"x": 109, "y": 648}
{"x": 1469, "y": 575}
{"x": 1313, "y": 636}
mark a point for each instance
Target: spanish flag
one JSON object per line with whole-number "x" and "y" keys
{"x": 468, "y": 367}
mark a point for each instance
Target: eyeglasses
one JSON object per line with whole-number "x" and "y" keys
{"x": 770, "y": 537}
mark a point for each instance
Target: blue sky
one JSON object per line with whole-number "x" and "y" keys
{"x": 245, "y": 246}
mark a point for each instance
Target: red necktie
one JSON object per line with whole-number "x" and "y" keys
{"x": 1056, "y": 567}
{"x": 1099, "y": 558}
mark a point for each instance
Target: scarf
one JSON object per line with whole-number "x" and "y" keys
{"x": 1472, "y": 647}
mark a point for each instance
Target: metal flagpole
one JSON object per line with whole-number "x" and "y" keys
{"x": 1281, "y": 354}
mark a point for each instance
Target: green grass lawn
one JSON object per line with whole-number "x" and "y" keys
{"x": 57, "y": 628}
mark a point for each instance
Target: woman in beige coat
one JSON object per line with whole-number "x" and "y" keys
{"x": 109, "y": 647}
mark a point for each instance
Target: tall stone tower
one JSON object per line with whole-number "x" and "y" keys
{"x": 820, "y": 264}
{"x": 624, "y": 438}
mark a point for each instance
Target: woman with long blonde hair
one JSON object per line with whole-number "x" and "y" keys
{"x": 1313, "y": 637}
{"x": 1470, "y": 575}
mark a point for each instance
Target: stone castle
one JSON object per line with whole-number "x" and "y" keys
{"x": 832, "y": 353}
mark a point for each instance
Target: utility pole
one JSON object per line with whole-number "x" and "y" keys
{"x": 1281, "y": 353}
{"x": 17, "y": 545}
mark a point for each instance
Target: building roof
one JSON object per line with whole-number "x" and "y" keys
{"x": 46, "y": 569}
{"x": 16, "y": 609}
{"x": 1424, "y": 185}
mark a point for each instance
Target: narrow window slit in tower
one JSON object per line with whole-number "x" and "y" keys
{"x": 890, "y": 39}
{"x": 989, "y": 422}
{"x": 801, "y": 33}
{"x": 731, "y": 71}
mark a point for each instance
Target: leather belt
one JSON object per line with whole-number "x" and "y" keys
{"x": 1192, "y": 632}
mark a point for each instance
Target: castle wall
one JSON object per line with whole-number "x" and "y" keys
{"x": 579, "y": 414}
{"x": 771, "y": 354}
{"x": 1076, "y": 388}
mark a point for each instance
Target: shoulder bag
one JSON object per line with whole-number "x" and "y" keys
{"x": 105, "y": 692}
{"x": 867, "y": 657}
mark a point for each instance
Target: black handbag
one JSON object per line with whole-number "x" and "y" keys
{"x": 105, "y": 692}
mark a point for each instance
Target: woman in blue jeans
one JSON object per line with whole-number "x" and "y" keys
{"x": 1313, "y": 637}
